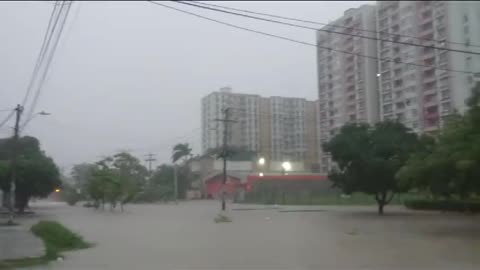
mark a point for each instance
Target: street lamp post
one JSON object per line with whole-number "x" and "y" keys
{"x": 43, "y": 113}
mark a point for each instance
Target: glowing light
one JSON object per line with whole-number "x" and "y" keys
{"x": 261, "y": 161}
{"x": 287, "y": 166}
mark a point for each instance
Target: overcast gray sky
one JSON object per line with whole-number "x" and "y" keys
{"x": 130, "y": 75}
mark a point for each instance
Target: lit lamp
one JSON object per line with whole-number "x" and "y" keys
{"x": 286, "y": 167}
{"x": 261, "y": 161}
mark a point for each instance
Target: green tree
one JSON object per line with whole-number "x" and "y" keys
{"x": 234, "y": 153}
{"x": 452, "y": 165}
{"x": 160, "y": 185}
{"x": 37, "y": 174}
{"x": 116, "y": 180}
{"x": 367, "y": 158}
{"x": 80, "y": 174}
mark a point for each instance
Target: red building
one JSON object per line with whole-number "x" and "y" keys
{"x": 214, "y": 186}
{"x": 234, "y": 184}
{"x": 291, "y": 178}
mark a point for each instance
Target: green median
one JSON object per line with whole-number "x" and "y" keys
{"x": 56, "y": 238}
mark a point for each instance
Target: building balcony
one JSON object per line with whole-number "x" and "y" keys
{"x": 426, "y": 19}
{"x": 427, "y": 55}
{"x": 426, "y": 34}
{"x": 431, "y": 114}
{"x": 429, "y": 79}
{"x": 443, "y": 87}
{"x": 430, "y": 67}
{"x": 429, "y": 91}
{"x": 429, "y": 86}
{"x": 443, "y": 74}
{"x": 430, "y": 103}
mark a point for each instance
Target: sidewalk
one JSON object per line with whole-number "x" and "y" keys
{"x": 18, "y": 242}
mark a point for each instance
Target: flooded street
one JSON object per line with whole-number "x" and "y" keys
{"x": 185, "y": 236}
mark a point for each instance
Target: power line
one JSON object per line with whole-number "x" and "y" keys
{"x": 9, "y": 116}
{"x": 169, "y": 140}
{"x": 332, "y": 25}
{"x": 305, "y": 43}
{"x": 52, "y": 2}
{"x": 49, "y": 61}
{"x": 328, "y": 31}
{"x": 41, "y": 54}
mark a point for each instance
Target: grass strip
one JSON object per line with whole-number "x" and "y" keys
{"x": 56, "y": 238}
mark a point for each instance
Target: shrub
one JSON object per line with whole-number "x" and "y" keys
{"x": 444, "y": 205}
{"x": 57, "y": 238}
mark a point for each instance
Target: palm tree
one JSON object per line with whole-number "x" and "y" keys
{"x": 181, "y": 150}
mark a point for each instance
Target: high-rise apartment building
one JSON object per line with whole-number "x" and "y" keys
{"x": 357, "y": 88}
{"x": 277, "y": 128}
{"x": 347, "y": 83}
{"x": 420, "y": 97}
{"x": 291, "y": 128}
{"x": 244, "y": 109}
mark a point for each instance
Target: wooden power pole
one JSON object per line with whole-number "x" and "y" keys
{"x": 225, "y": 120}
{"x": 13, "y": 180}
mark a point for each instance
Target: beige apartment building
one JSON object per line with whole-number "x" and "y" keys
{"x": 277, "y": 128}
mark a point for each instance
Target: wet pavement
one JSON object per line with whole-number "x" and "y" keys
{"x": 18, "y": 242}
{"x": 184, "y": 236}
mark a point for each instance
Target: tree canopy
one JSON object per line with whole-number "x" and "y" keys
{"x": 181, "y": 150}
{"x": 37, "y": 174}
{"x": 233, "y": 153}
{"x": 116, "y": 179}
{"x": 368, "y": 157}
{"x": 450, "y": 166}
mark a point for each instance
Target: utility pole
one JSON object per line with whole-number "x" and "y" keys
{"x": 226, "y": 120}
{"x": 150, "y": 159}
{"x": 16, "y": 130}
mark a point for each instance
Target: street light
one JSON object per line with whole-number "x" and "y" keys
{"x": 42, "y": 113}
{"x": 287, "y": 166}
{"x": 261, "y": 161}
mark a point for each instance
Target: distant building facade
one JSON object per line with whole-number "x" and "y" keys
{"x": 277, "y": 128}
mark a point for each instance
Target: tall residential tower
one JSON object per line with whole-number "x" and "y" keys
{"x": 347, "y": 82}
{"x": 420, "y": 97}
